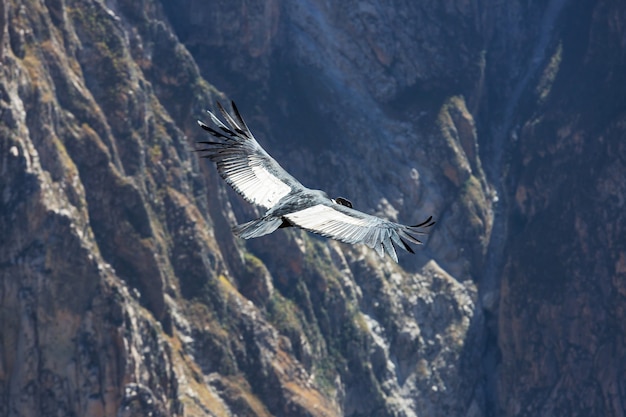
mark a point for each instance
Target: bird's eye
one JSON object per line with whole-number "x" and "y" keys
{"x": 343, "y": 202}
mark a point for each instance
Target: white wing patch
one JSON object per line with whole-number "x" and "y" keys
{"x": 323, "y": 218}
{"x": 327, "y": 221}
{"x": 259, "y": 186}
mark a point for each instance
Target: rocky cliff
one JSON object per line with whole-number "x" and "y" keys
{"x": 123, "y": 291}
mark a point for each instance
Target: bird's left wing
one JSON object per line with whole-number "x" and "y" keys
{"x": 243, "y": 163}
{"x": 352, "y": 226}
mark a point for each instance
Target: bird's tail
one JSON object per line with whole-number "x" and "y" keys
{"x": 258, "y": 227}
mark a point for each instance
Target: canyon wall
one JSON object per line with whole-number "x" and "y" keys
{"x": 123, "y": 291}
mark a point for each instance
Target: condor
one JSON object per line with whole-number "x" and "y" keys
{"x": 254, "y": 174}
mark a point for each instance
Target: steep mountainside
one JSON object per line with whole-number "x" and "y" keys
{"x": 561, "y": 323}
{"x": 123, "y": 291}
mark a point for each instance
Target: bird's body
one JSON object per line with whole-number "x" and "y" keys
{"x": 254, "y": 174}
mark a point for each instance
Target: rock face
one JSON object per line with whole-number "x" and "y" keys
{"x": 563, "y": 291}
{"x": 123, "y": 291}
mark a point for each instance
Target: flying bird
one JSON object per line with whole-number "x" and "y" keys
{"x": 260, "y": 180}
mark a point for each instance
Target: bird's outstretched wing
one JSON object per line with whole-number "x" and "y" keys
{"x": 352, "y": 226}
{"x": 243, "y": 163}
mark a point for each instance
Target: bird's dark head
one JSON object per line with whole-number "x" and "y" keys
{"x": 343, "y": 201}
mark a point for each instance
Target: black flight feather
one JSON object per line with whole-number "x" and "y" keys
{"x": 406, "y": 246}
{"x": 422, "y": 224}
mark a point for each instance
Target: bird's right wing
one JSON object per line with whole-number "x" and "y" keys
{"x": 352, "y": 226}
{"x": 243, "y": 163}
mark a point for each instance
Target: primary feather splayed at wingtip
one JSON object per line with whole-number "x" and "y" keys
{"x": 238, "y": 116}
{"x": 426, "y": 223}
